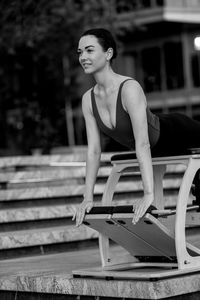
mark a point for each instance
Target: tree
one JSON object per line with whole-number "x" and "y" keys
{"x": 47, "y": 31}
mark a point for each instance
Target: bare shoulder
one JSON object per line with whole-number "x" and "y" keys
{"x": 132, "y": 92}
{"x": 131, "y": 86}
{"x": 86, "y": 101}
{"x": 86, "y": 95}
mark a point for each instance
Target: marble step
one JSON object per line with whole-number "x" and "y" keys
{"x": 54, "y": 176}
{"x": 45, "y": 236}
{"x": 36, "y": 213}
{"x": 38, "y": 174}
{"x": 77, "y": 190}
{"x": 39, "y": 160}
{"x": 58, "y": 173}
{"x": 28, "y": 182}
{"x": 52, "y": 173}
{"x": 50, "y": 212}
{"x": 49, "y": 160}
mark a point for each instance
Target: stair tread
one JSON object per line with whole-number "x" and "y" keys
{"x": 54, "y": 264}
{"x": 51, "y": 174}
{"x": 61, "y": 174}
{"x": 74, "y": 190}
{"x": 35, "y": 213}
{"x": 44, "y": 236}
{"x": 44, "y": 160}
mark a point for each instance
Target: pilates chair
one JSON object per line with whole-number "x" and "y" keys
{"x": 158, "y": 240}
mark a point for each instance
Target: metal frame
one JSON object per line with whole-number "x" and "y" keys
{"x": 192, "y": 163}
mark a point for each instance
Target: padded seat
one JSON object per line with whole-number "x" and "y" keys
{"x": 132, "y": 155}
{"x": 123, "y": 209}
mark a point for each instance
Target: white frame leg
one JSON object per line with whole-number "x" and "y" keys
{"x": 184, "y": 259}
{"x": 104, "y": 246}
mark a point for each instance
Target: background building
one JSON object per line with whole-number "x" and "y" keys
{"x": 163, "y": 54}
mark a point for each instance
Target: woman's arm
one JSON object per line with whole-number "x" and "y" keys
{"x": 92, "y": 160}
{"x": 135, "y": 103}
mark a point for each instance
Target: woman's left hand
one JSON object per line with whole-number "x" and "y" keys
{"x": 141, "y": 206}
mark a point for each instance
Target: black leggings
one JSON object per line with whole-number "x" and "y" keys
{"x": 177, "y": 133}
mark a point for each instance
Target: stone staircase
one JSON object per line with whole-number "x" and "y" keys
{"x": 38, "y": 194}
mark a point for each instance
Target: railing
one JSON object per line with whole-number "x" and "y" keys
{"x": 183, "y": 3}
{"x": 122, "y": 6}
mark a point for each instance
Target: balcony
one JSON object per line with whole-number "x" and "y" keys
{"x": 152, "y": 11}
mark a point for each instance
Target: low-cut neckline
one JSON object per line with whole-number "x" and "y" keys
{"x": 116, "y": 107}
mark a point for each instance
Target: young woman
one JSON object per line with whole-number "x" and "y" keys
{"x": 117, "y": 106}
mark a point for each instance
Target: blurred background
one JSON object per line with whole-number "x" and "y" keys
{"x": 42, "y": 83}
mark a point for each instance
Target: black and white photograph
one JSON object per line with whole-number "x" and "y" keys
{"x": 99, "y": 149}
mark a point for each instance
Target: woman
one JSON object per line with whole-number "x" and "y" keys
{"x": 117, "y": 106}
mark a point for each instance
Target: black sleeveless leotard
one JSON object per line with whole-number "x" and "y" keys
{"x": 123, "y": 132}
{"x": 169, "y": 134}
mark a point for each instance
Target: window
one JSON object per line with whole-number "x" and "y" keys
{"x": 173, "y": 65}
{"x": 151, "y": 67}
{"x": 161, "y": 67}
{"x": 126, "y": 6}
{"x": 145, "y": 3}
{"x": 195, "y": 66}
{"x": 160, "y": 2}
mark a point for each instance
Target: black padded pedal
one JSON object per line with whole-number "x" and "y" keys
{"x": 125, "y": 209}
{"x": 121, "y": 209}
{"x": 123, "y": 156}
{"x": 96, "y": 210}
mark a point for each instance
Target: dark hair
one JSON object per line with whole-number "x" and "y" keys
{"x": 105, "y": 39}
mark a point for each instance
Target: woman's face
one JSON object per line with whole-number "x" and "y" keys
{"x": 92, "y": 57}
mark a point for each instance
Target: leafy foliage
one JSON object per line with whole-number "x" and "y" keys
{"x": 38, "y": 41}
{"x": 31, "y": 22}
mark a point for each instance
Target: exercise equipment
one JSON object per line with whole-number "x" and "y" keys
{"x": 156, "y": 245}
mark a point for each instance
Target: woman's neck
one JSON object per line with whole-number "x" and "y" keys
{"x": 106, "y": 80}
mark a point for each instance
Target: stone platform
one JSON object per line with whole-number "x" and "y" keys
{"x": 50, "y": 277}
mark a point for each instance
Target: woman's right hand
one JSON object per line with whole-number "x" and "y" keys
{"x": 79, "y": 213}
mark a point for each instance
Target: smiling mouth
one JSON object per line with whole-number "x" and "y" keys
{"x": 86, "y": 65}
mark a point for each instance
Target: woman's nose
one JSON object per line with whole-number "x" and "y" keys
{"x": 83, "y": 56}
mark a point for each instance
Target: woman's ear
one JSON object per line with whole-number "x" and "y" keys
{"x": 109, "y": 53}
